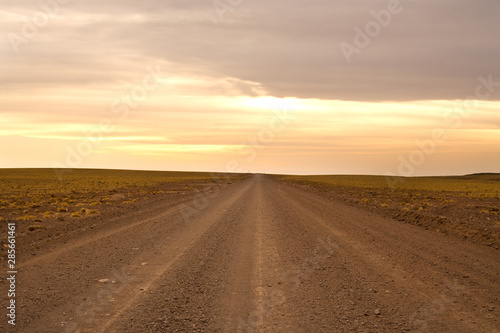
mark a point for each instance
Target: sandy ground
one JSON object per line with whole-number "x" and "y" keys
{"x": 254, "y": 256}
{"x": 476, "y": 219}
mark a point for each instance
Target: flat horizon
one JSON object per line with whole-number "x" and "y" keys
{"x": 284, "y": 174}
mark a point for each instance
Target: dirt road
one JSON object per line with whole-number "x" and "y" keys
{"x": 260, "y": 256}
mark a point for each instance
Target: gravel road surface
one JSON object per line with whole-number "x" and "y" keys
{"x": 257, "y": 256}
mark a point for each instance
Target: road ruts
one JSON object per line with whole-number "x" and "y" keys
{"x": 263, "y": 256}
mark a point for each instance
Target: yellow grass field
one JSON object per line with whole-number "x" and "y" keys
{"x": 39, "y": 195}
{"x": 474, "y": 186}
{"x": 467, "y": 206}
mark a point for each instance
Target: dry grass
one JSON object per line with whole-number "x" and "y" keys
{"x": 473, "y": 186}
{"x": 48, "y": 214}
{"x": 27, "y": 218}
{"x": 27, "y": 194}
{"x": 45, "y": 182}
{"x": 92, "y": 212}
{"x": 35, "y": 227}
{"x": 467, "y": 206}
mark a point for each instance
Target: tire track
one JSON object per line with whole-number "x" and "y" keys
{"x": 264, "y": 257}
{"x": 398, "y": 260}
{"x": 160, "y": 265}
{"x": 88, "y": 240}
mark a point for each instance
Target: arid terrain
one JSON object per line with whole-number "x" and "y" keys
{"x": 247, "y": 253}
{"x": 467, "y": 207}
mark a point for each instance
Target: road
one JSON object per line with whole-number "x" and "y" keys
{"x": 258, "y": 256}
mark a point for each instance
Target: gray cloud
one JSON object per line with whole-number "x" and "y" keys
{"x": 431, "y": 50}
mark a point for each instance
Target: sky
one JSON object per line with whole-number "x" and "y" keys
{"x": 405, "y": 88}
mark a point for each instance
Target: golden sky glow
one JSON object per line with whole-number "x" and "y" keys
{"x": 95, "y": 90}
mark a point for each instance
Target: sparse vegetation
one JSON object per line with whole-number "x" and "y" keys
{"x": 38, "y": 195}
{"x": 473, "y": 186}
{"x": 35, "y": 227}
{"x": 467, "y": 206}
{"x": 92, "y": 212}
{"x": 27, "y": 218}
{"x": 48, "y": 214}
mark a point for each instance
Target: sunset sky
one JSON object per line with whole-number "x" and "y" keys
{"x": 302, "y": 87}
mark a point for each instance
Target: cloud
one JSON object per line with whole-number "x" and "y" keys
{"x": 222, "y": 80}
{"x": 428, "y": 51}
